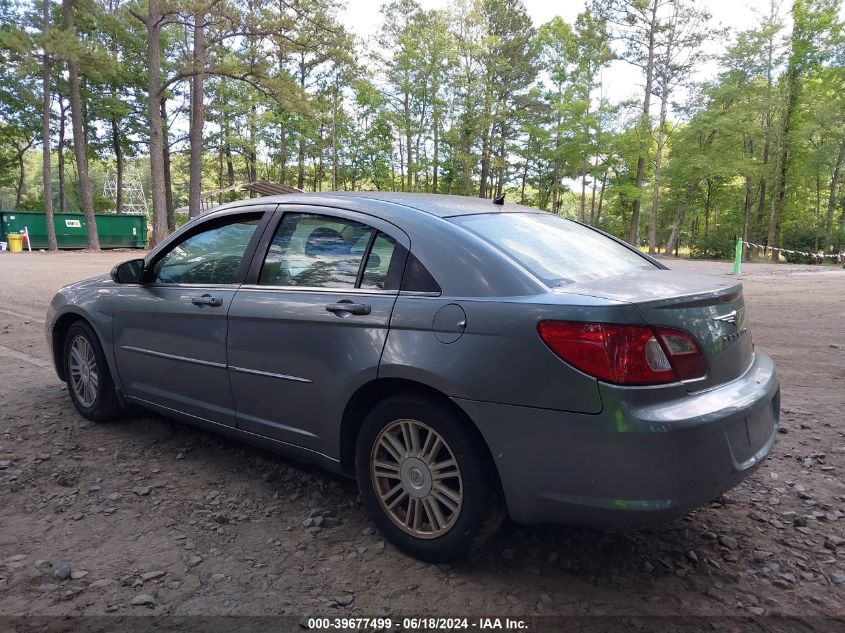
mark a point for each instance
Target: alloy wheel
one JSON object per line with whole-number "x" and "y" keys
{"x": 416, "y": 478}
{"x": 84, "y": 379}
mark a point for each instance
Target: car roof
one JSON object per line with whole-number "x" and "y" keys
{"x": 439, "y": 205}
{"x": 435, "y": 240}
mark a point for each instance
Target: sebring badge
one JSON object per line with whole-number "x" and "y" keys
{"x": 735, "y": 318}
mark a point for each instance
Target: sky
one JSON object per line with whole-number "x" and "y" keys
{"x": 620, "y": 80}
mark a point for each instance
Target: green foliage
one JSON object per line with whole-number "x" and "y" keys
{"x": 800, "y": 239}
{"x": 469, "y": 99}
{"x": 715, "y": 246}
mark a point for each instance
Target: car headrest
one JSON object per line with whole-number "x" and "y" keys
{"x": 325, "y": 240}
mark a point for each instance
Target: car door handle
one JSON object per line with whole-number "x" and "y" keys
{"x": 349, "y": 307}
{"x": 207, "y": 300}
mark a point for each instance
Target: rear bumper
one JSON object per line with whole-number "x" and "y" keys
{"x": 646, "y": 457}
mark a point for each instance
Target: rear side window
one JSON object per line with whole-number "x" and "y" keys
{"x": 556, "y": 250}
{"x": 417, "y": 278}
{"x": 315, "y": 251}
{"x": 378, "y": 263}
{"x": 320, "y": 251}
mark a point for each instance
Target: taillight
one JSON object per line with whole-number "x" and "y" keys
{"x": 687, "y": 360}
{"x": 625, "y": 354}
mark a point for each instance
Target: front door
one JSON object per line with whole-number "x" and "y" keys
{"x": 170, "y": 332}
{"x": 310, "y": 328}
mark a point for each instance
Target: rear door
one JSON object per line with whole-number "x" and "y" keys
{"x": 310, "y": 326}
{"x": 170, "y": 332}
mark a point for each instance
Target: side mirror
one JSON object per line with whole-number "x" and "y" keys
{"x": 131, "y": 272}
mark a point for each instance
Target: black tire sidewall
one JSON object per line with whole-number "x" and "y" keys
{"x": 476, "y": 487}
{"x": 105, "y": 404}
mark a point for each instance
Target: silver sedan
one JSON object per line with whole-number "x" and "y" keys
{"x": 462, "y": 359}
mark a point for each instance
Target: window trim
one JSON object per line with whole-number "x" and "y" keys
{"x": 318, "y": 290}
{"x": 263, "y": 213}
{"x": 376, "y": 224}
{"x": 366, "y": 258}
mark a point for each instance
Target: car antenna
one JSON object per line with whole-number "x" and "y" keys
{"x": 499, "y": 200}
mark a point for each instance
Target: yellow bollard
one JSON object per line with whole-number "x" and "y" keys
{"x": 15, "y": 242}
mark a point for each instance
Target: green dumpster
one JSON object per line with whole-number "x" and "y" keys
{"x": 115, "y": 231}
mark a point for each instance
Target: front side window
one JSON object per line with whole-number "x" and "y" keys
{"x": 212, "y": 256}
{"x": 556, "y": 250}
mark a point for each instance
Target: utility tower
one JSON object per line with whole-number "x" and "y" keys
{"x": 134, "y": 200}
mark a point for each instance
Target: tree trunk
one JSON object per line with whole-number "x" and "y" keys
{"x": 86, "y": 198}
{"x": 601, "y": 196}
{"x": 197, "y": 117}
{"x": 319, "y": 173}
{"x": 401, "y": 164}
{"x": 746, "y": 212}
{"x": 334, "y": 134}
{"x": 817, "y": 224}
{"x": 61, "y": 157}
{"x": 645, "y": 127}
{"x": 165, "y": 160}
{"x": 672, "y": 241}
{"x": 409, "y": 150}
{"x": 19, "y": 187}
{"x": 500, "y": 181}
{"x": 831, "y": 200}
{"x": 220, "y": 170}
{"x": 118, "y": 160}
{"x": 227, "y": 151}
{"x": 761, "y": 202}
{"x": 759, "y": 235}
{"x": 252, "y": 150}
{"x": 300, "y": 176}
{"x": 154, "y": 114}
{"x": 793, "y": 79}
{"x": 582, "y": 207}
{"x": 47, "y": 181}
{"x": 524, "y": 178}
{"x": 284, "y": 156}
{"x": 230, "y": 165}
{"x": 658, "y": 160}
{"x": 435, "y": 159}
{"x": 485, "y": 161}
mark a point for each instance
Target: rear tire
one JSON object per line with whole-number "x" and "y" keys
{"x": 89, "y": 381}
{"x": 424, "y": 479}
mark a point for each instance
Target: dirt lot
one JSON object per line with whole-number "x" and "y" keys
{"x": 203, "y": 525}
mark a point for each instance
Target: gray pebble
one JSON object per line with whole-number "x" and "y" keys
{"x": 62, "y": 571}
{"x": 345, "y": 601}
{"x": 143, "y": 600}
{"x": 728, "y": 541}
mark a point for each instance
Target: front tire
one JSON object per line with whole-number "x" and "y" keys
{"x": 423, "y": 479}
{"x": 89, "y": 381}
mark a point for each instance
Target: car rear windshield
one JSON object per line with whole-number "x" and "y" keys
{"x": 556, "y": 250}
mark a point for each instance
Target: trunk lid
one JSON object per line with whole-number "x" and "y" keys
{"x": 710, "y": 308}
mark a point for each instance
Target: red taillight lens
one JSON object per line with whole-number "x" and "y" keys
{"x": 625, "y": 354}
{"x": 687, "y": 360}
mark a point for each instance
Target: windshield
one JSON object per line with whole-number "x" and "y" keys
{"x": 554, "y": 249}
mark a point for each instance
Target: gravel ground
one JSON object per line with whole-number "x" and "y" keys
{"x": 146, "y": 515}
